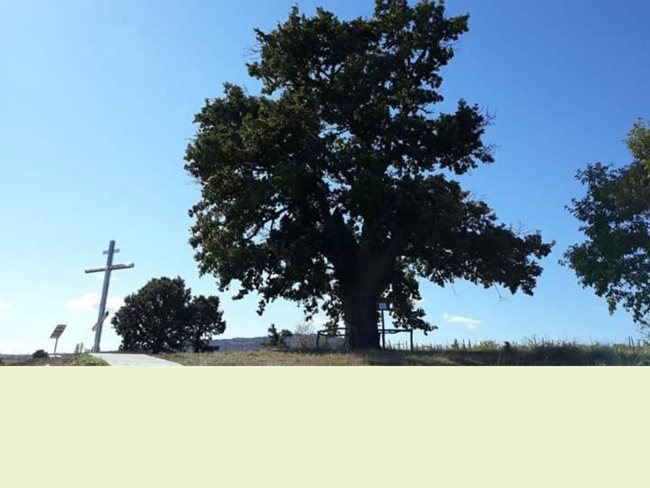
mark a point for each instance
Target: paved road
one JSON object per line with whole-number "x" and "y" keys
{"x": 117, "y": 359}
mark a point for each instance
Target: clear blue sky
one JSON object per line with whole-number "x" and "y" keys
{"x": 96, "y": 107}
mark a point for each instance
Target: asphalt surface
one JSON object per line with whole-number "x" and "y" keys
{"x": 117, "y": 359}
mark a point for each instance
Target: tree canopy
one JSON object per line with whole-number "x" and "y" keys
{"x": 615, "y": 212}
{"x": 206, "y": 321}
{"x": 638, "y": 142}
{"x": 163, "y": 317}
{"x": 334, "y": 187}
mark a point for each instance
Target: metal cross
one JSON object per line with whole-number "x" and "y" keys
{"x": 107, "y": 278}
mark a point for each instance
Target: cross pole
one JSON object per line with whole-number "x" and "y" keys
{"x": 107, "y": 278}
{"x": 382, "y": 307}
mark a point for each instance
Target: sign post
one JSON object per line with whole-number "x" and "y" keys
{"x": 107, "y": 278}
{"x": 383, "y": 306}
{"x": 56, "y": 333}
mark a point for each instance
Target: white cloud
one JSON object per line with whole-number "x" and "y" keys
{"x": 470, "y": 323}
{"x": 4, "y": 305}
{"x": 89, "y": 302}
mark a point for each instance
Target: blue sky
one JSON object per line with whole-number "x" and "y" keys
{"x": 96, "y": 107}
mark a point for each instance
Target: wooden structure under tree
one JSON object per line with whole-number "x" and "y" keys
{"x": 382, "y": 307}
{"x": 382, "y": 332}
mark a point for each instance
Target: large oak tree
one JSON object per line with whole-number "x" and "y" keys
{"x": 334, "y": 186}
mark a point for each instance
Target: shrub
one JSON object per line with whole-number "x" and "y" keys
{"x": 88, "y": 360}
{"x": 40, "y": 354}
{"x": 278, "y": 339}
{"x": 304, "y": 335}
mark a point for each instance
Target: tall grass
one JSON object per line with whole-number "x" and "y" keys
{"x": 536, "y": 351}
{"x": 531, "y": 352}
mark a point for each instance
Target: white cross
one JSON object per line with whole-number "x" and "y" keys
{"x": 107, "y": 278}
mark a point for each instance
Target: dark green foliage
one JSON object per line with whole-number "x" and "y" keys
{"x": 333, "y": 187}
{"x": 40, "y": 354}
{"x": 278, "y": 339}
{"x": 163, "y": 317}
{"x": 206, "y": 320}
{"x": 638, "y": 142}
{"x": 615, "y": 259}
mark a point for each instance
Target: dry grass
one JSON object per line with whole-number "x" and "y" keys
{"x": 483, "y": 354}
{"x": 63, "y": 360}
{"x": 266, "y": 357}
{"x": 530, "y": 353}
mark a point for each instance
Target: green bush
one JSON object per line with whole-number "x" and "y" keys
{"x": 40, "y": 354}
{"x": 88, "y": 360}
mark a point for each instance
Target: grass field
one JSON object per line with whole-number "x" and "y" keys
{"x": 63, "y": 360}
{"x": 532, "y": 353}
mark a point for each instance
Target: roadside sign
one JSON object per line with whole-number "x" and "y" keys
{"x": 58, "y": 330}
{"x": 56, "y": 333}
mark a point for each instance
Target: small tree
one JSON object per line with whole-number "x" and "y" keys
{"x": 615, "y": 259}
{"x": 206, "y": 320}
{"x": 162, "y": 317}
{"x": 278, "y": 339}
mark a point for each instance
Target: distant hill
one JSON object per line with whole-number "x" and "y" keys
{"x": 254, "y": 343}
{"x": 244, "y": 344}
{"x": 240, "y": 343}
{"x": 15, "y": 357}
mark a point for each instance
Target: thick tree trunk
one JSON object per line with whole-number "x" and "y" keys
{"x": 360, "y": 315}
{"x": 360, "y": 273}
